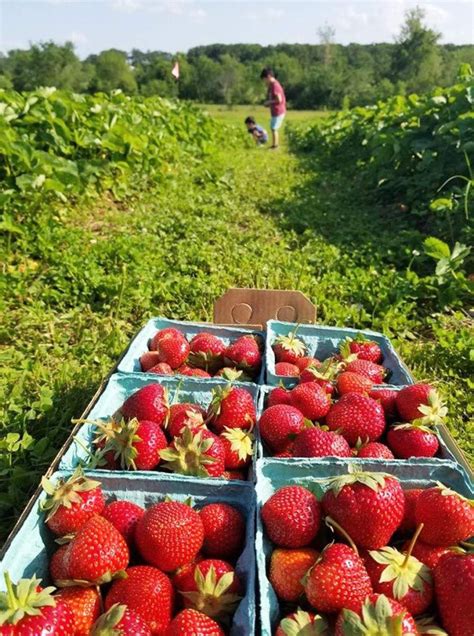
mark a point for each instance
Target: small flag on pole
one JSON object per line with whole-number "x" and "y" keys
{"x": 175, "y": 70}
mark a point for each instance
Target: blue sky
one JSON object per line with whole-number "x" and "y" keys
{"x": 177, "y": 25}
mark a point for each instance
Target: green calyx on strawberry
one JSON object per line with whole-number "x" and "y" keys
{"x": 376, "y": 619}
{"x": 108, "y": 623}
{"x": 233, "y": 407}
{"x": 213, "y": 597}
{"x": 232, "y": 375}
{"x": 434, "y": 412}
{"x": 289, "y": 348}
{"x": 427, "y": 625}
{"x": 118, "y": 438}
{"x": 345, "y": 351}
{"x": 66, "y": 493}
{"x": 241, "y": 442}
{"x": 25, "y": 598}
{"x": 188, "y": 455}
{"x": 302, "y": 623}
{"x": 374, "y": 481}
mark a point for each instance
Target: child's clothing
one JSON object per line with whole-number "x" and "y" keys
{"x": 259, "y": 133}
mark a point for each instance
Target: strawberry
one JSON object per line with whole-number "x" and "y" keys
{"x": 70, "y": 503}
{"x": 368, "y": 505}
{"x": 286, "y": 452}
{"x": 162, "y": 368}
{"x": 238, "y": 447}
{"x": 374, "y": 450}
{"x": 279, "y": 424}
{"x": 149, "y": 359}
{"x": 149, "y": 403}
{"x": 350, "y": 382}
{"x": 224, "y": 530}
{"x": 183, "y": 573}
{"x": 172, "y": 349}
{"x": 97, "y": 554}
{"x": 374, "y": 372}
{"x": 291, "y": 517}
{"x": 233, "y": 407}
{"x": 27, "y": 609}
{"x": 448, "y": 517}
{"x": 311, "y": 400}
{"x": 454, "y": 588}
{"x": 287, "y": 570}
{"x": 366, "y": 349}
{"x": 169, "y": 535}
{"x": 287, "y": 370}
{"x": 307, "y": 361}
{"x": 323, "y": 374}
{"x": 244, "y": 353}
{"x": 84, "y": 603}
{"x": 231, "y": 374}
{"x": 279, "y": 395}
{"x": 289, "y": 348}
{"x": 338, "y": 580}
{"x": 315, "y": 442}
{"x": 427, "y": 554}
{"x": 196, "y": 452}
{"x": 58, "y": 567}
{"x": 189, "y": 371}
{"x": 388, "y": 400}
{"x": 119, "y": 620}
{"x": 184, "y": 415}
{"x": 408, "y": 524}
{"x": 233, "y": 474}
{"x": 412, "y": 440}
{"x": 168, "y": 332}
{"x": 427, "y": 625}
{"x": 190, "y": 622}
{"x": 378, "y": 614}
{"x": 206, "y": 351}
{"x": 421, "y": 402}
{"x": 302, "y": 624}
{"x": 147, "y": 592}
{"x": 124, "y": 515}
{"x": 354, "y": 416}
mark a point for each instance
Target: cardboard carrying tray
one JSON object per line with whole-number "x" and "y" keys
{"x": 27, "y": 552}
{"x": 323, "y": 342}
{"x": 119, "y": 388}
{"x": 272, "y": 475}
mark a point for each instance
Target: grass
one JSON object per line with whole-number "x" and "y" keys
{"x": 237, "y": 114}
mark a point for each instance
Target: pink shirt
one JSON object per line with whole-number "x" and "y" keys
{"x": 275, "y": 89}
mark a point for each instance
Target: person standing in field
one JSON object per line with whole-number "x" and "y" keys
{"x": 276, "y": 100}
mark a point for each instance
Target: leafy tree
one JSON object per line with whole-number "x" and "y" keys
{"x": 112, "y": 71}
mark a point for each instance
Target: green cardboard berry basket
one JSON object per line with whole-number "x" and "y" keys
{"x": 29, "y": 547}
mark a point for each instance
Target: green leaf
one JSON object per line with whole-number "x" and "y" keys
{"x": 436, "y": 248}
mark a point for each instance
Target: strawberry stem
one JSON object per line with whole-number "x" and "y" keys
{"x": 467, "y": 545}
{"x": 335, "y": 526}
{"x": 412, "y": 544}
{"x": 10, "y": 592}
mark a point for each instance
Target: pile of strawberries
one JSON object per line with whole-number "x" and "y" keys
{"x": 308, "y": 421}
{"x": 122, "y": 570}
{"x": 147, "y": 433}
{"x": 204, "y": 356}
{"x": 400, "y": 567}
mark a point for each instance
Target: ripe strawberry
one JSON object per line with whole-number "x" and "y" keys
{"x": 311, "y": 400}
{"x": 366, "y": 349}
{"x": 149, "y": 359}
{"x": 288, "y": 348}
{"x": 196, "y": 452}
{"x": 287, "y": 451}
{"x": 291, "y": 517}
{"x": 224, "y": 530}
{"x": 146, "y": 591}
{"x": 149, "y": 403}
{"x": 307, "y": 361}
{"x": 189, "y": 371}
{"x": 412, "y": 440}
{"x": 314, "y": 442}
{"x": 233, "y": 474}
{"x": 168, "y": 332}
{"x": 408, "y": 524}
{"x": 27, "y": 609}
{"x": 354, "y": 416}
{"x": 388, "y": 400}
{"x": 162, "y": 368}
{"x": 338, "y": 580}
{"x": 374, "y": 450}
{"x": 287, "y": 570}
{"x": 378, "y": 614}
{"x": 58, "y": 567}
{"x": 233, "y": 407}
{"x": 190, "y": 622}
{"x": 279, "y": 395}
{"x": 97, "y": 554}
{"x": 70, "y": 503}
{"x": 324, "y": 374}
{"x": 172, "y": 349}
{"x": 374, "y": 372}
{"x": 120, "y": 621}
{"x": 368, "y": 505}
{"x": 302, "y": 624}
{"x": 169, "y": 535}
{"x": 185, "y": 571}
{"x": 454, "y": 588}
{"x": 238, "y": 447}
{"x": 206, "y": 351}
{"x": 244, "y": 353}
{"x": 84, "y": 603}
{"x": 421, "y": 402}
{"x": 350, "y": 382}
{"x": 124, "y": 515}
{"x": 278, "y": 425}
{"x": 184, "y": 415}
{"x": 448, "y": 517}
{"x": 427, "y": 554}
{"x": 287, "y": 369}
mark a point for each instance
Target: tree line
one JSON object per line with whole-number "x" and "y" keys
{"x": 324, "y": 75}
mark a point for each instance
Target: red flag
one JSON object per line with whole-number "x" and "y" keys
{"x": 175, "y": 70}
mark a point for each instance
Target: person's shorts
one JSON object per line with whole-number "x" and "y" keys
{"x": 276, "y": 122}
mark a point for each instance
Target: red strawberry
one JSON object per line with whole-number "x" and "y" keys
{"x": 366, "y": 349}
{"x": 288, "y": 569}
{"x": 224, "y": 530}
{"x": 420, "y": 402}
{"x": 232, "y": 407}
{"x": 190, "y": 622}
{"x": 307, "y": 361}
{"x": 238, "y": 447}
{"x": 163, "y": 368}
{"x": 311, "y": 400}
{"x": 147, "y": 592}
{"x": 189, "y": 371}
{"x": 338, "y": 580}
{"x": 206, "y": 351}
{"x": 172, "y": 349}
{"x": 70, "y": 503}
{"x": 324, "y": 374}
{"x": 374, "y": 450}
{"x": 448, "y": 517}
{"x": 185, "y": 414}
{"x": 314, "y": 442}
{"x": 168, "y": 332}
{"x": 388, "y": 400}
{"x": 408, "y": 524}
{"x": 244, "y": 353}
{"x": 287, "y": 369}
{"x": 58, "y": 567}
{"x": 149, "y": 359}
{"x": 124, "y": 515}
{"x": 368, "y": 505}
{"x": 302, "y": 624}
{"x": 149, "y": 403}
{"x": 286, "y": 452}
{"x": 350, "y": 382}
{"x": 84, "y": 603}
{"x": 97, "y": 553}
{"x": 291, "y": 517}
{"x": 183, "y": 573}
{"x": 378, "y": 614}
{"x": 355, "y": 416}
{"x": 279, "y": 424}
{"x": 233, "y": 474}
{"x": 27, "y": 609}
{"x": 374, "y": 372}
{"x": 412, "y": 440}
{"x": 454, "y": 588}
{"x": 196, "y": 452}
{"x": 289, "y": 348}
{"x": 120, "y": 621}
{"x": 427, "y": 554}
{"x": 169, "y": 535}
{"x": 279, "y": 395}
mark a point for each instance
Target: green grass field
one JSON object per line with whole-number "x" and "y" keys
{"x": 237, "y": 114}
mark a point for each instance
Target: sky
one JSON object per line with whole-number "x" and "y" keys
{"x": 177, "y": 25}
